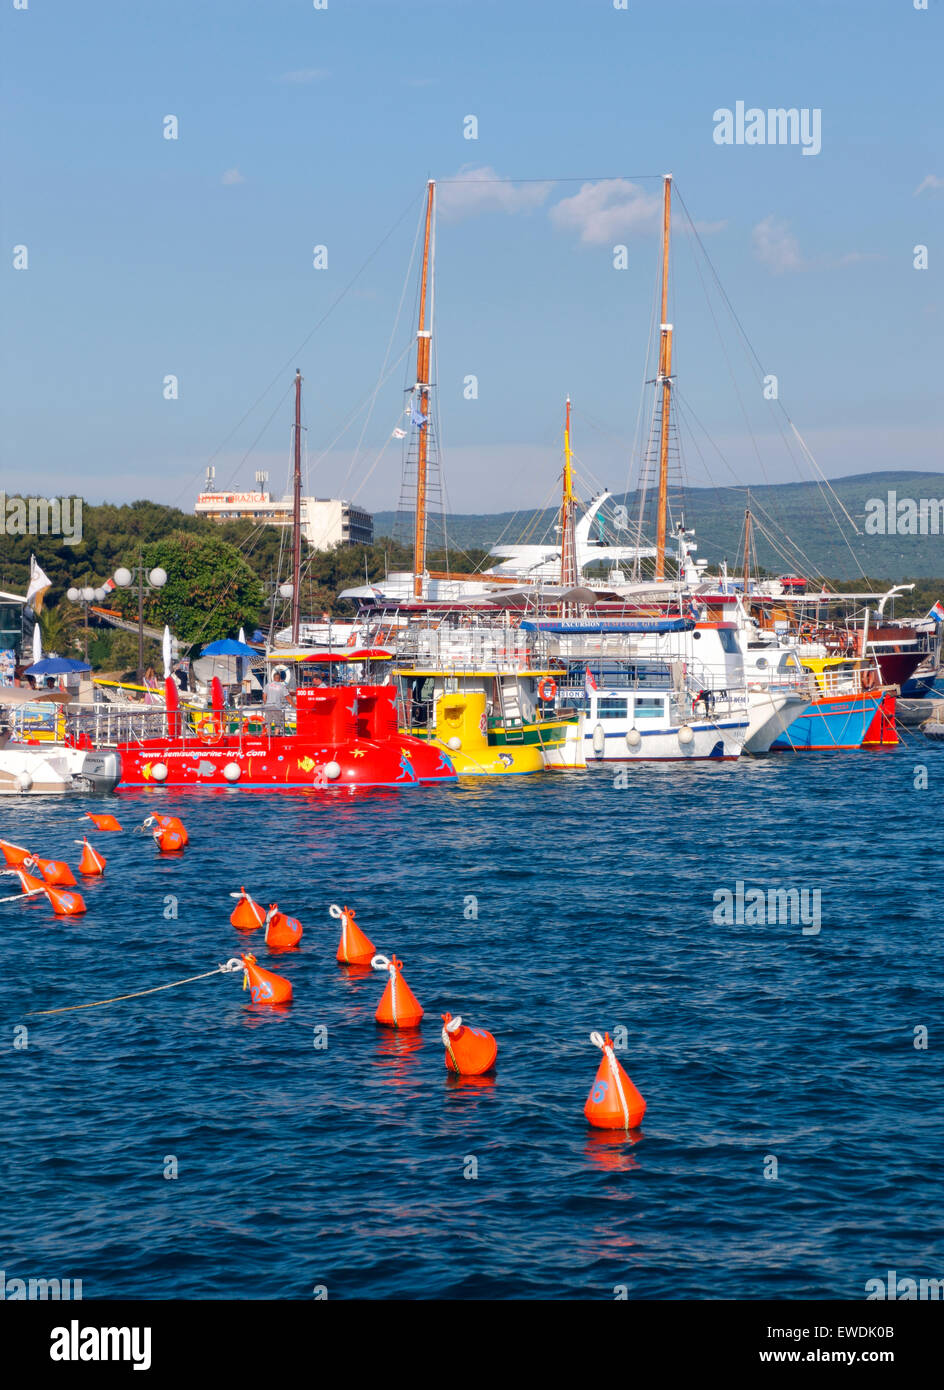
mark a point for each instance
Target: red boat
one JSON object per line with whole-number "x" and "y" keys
{"x": 346, "y": 736}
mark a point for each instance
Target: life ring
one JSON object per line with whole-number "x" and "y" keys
{"x": 209, "y": 728}
{"x": 547, "y": 688}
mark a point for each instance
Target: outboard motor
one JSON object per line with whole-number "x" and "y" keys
{"x": 102, "y": 771}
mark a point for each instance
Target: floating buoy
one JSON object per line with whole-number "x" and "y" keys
{"x": 265, "y": 987}
{"x": 169, "y": 841}
{"x": 469, "y": 1051}
{"x": 281, "y": 931}
{"x": 172, "y": 823}
{"x": 247, "y": 915}
{"x": 354, "y": 948}
{"x": 54, "y": 871}
{"x": 92, "y": 864}
{"x": 399, "y": 1006}
{"x": 613, "y": 1102}
{"x": 103, "y": 822}
{"x": 14, "y": 854}
{"x": 29, "y": 881}
{"x": 64, "y": 902}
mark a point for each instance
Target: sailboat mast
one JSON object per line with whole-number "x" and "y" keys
{"x": 568, "y": 539}
{"x": 297, "y": 514}
{"x": 747, "y": 553}
{"x": 664, "y": 380}
{"x": 423, "y": 340}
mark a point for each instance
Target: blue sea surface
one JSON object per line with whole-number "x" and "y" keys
{"x": 350, "y": 1168}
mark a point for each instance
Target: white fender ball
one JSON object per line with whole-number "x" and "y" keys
{"x": 332, "y": 771}
{"x": 232, "y": 772}
{"x": 159, "y": 772}
{"x": 685, "y": 735}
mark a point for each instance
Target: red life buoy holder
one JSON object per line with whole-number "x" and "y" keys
{"x": 547, "y": 688}
{"x": 209, "y": 728}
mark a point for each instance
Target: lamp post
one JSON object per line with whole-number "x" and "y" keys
{"x": 156, "y": 579}
{"x": 85, "y": 596}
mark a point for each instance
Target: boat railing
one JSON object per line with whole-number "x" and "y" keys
{"x": 105, "y": 725}
{"x": 474, "y": 649}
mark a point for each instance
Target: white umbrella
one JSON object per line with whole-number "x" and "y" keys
{"x": 242, "y": 636}
{"x": 37, "y": 643}
{"x": 166, "y": 650}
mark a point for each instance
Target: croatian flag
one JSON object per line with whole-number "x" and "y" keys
{"x": 937, "y": 612}
{"x": 589, "y": 684}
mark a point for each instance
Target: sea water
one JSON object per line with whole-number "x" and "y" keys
{"x": 188, "y": 1144}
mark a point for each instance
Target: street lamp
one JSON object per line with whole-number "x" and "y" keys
{"x": 156, "y": 579}
{"x": 85, "y": 596}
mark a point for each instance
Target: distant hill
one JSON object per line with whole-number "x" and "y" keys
{"x": 804, "y": 512}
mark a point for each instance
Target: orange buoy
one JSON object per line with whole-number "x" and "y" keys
{"x": 469, "y": 1051}
{"x": 14, "y": 854}
{"x": 354, "y": 948}
{"x": 103, "y": 822}
{"x": 65, "y": 903}
{"x": 281, "y": 932}
{"x": 169, "y": 841}
{"x": 30, "y": 883}
{"x": 92, "y": 864}
{"x": 613, "y": 1102}
{"x": 399, "y": 1006}
{"x": 54, "y": 871}
{"x": 247, "y": 915}
{"x": 265, "y": 987}
{"x": 173, "y": 823}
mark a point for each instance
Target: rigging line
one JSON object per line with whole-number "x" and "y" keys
{"x": 408, "y": 278}
{"x": 757, "y": 360}
{"x": 278, "y": 407}
{"x": 371, "y": 398}
{"x": 636, "y": 447}
{"x": 307, "y": 339}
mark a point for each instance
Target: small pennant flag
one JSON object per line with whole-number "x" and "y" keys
{"x": 417, "y": 417}
{"x": 937, "y": 612}
{"x": 589, "y": 683}
{"x": 399, "y": 434}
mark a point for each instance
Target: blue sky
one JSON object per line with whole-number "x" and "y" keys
{"x": 299, "y": 127}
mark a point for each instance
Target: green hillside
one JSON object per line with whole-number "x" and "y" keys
{"x": 807, "y": 513}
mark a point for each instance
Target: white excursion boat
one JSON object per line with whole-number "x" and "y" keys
{"x": 49, "y": 768}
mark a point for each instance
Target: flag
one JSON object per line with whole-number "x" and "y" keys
{"x": 399, "y": 434}
{"x": 417, "y": 417}
{"x": 589, "y": 684}
{"x": 109, "y": 585}
{"x": 39, "y": 586}
{"x": 937, "y": 612}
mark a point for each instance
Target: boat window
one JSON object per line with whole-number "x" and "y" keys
{"x": 610, "y": 708}
{"x": 574, "y": 700}
{"x": 761, "y": 662}
{"x": 728, "y": 640}
{"x": 649, "y": 709}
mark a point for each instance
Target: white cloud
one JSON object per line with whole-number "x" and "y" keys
{"x": 931, "y": 182}
{"x": 305, "y": 75}
{"x": 475, "y": 190}
{"x": 232, "y": 176}
{"x": 602, "y": 212}
{"x": 775, "y": 246}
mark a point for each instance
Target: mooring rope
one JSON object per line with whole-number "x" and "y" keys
{"x": 231, "y": 965}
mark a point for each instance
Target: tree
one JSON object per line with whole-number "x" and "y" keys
{"x": 210, "y": 591}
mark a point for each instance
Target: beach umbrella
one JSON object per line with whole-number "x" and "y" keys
{"x": 166, "y": 650}
{"x": 56, "y": 666}
{"x": 242, "y": 636}
{"x": 37, "y": 643}
{"x": 227, "y": 647}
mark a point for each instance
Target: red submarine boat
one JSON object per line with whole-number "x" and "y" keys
{"x": 346, "y": 736}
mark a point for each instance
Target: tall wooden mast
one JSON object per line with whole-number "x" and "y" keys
{"x": 421, "y": 395}
{"x": 664, "y": 380}
{"x": 568, "y": 576}
{"x": 747, "y": 551}
{"x": 297, "y": 514}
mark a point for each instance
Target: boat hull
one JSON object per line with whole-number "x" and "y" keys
{"x": 836, "y": 722}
